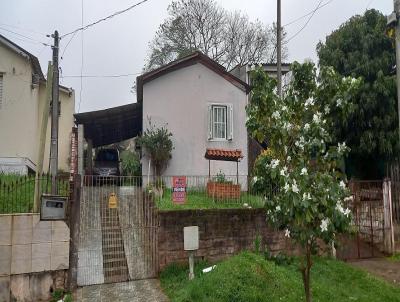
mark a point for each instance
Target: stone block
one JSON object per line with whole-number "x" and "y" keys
{"x": 59, "y": 231}
{"x": 5, "y": 289}
{"x": 21, "y": 261}
{"x": 5, "y": 260}
{"x": 39, "y": 286}
{"x": 19, "y": 286}
{"x": 41, "y": 235}
{"x": 41, "y": 254}
{"x": 22, "y": 236}
{"x": 5, "y": 229}
{"x": 59, "y": 255}
{"x": 22, "y": 222}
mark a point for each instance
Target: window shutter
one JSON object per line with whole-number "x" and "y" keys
{"x": 1, "y": 90}
{"x": 229, "y": 115}
{"x": 209, "y": 129}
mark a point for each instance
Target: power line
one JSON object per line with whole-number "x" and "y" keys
{"x": 103, "y": 76}
{"x": 66, "y": 46}
{"x": 24, "y": 36}
{"x": 305, "y": 24}
{"x": 105, "y": 18}
{"x": 23, "y": 29}
{"x": 309, "y": 13}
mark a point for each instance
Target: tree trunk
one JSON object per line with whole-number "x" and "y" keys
{"x": 306, "y": 270}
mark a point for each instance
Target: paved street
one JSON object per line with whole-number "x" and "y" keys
{"x": 134, "y": 291}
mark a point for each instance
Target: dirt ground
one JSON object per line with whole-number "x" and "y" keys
{"x": 382, "y": 267}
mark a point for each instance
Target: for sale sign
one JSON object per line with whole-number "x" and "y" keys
{"x": 179, "y": 189}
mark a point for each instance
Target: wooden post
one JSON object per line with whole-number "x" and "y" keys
{"x": 42, "y": 138}
{"x": 209, "y": 169}
{"x": 237, "y": 172}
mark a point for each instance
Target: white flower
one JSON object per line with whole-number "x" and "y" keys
{"x": 342, "y": 184}
{"x": 286, "y": 187}
{"x": 276, "y": 115}
{"x": 347, "y": 212}
{"x": 324, "y": 224}
{"x": 283, "y": 171}
{"x": 287, "y": 126}
{"x": 253, "y": 67}
{"x": 255, "y": 178}
{"x": 303, "y": 171}
{"x": 295, "y": 188}
{"x": 245, "y": 205}
{"x": 349, "y": 198}
{"x": 306, "y": 196}
{"x": 316, "y": 118}
{"x": 341, "y": 147}
{"x": 309, "y": 102}
{"x": 339, "y": 207}
{"x": 274, "y": 163}
{"x": 289, "y": 158}
{"x": 287, "y": 233}
{"x": 284, "y": 108}
{"x": 307, "y": 126}
{"x": 278, "y": 208}
{"x": 327, "y": 110}
{"x": 339, "y": 102}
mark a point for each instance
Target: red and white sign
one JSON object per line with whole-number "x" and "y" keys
{"x": 179, "y": 189}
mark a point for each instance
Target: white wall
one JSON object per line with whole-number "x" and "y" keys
{"x": 180, "y": 101}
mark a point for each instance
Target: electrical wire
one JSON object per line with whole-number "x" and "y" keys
{"x": 104, "y": 19}
{"x": 305, "y": 24}
{"x": 103, "y": 76}
{"x": 66, "y": 46}
{"x": 23, "y": 29}
{"x": 24, "y": 36}
{"x": 306, "y": 15}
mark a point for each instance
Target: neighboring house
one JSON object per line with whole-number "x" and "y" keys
{"x": 22, "y": 97}
{"x": 243, "y": 73}
{"x": 203, "y": 106}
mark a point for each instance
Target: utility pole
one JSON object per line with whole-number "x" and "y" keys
{"x": 42, "y": 139}
{"x": 279, "y": 48}
{"x": 54, "y": 117}
{"x": 397, "y": 35}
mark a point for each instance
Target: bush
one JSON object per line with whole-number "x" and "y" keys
{"x": 130, "y": 163}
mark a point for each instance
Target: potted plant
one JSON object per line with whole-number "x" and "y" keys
{"x": 221, "y": 188}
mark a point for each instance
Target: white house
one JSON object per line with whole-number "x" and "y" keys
{"x": 203, "y": 106}
{"x": 22, "y": 97}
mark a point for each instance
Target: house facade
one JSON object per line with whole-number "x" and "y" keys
{"x": 22, "y": 97}
{"x": 203, "y": 106}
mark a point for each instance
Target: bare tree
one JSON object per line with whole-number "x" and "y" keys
{"x": 228, "y": 38}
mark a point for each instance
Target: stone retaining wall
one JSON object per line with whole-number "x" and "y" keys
{"x": 222, "y": 233}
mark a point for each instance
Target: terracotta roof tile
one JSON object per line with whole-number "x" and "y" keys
{"x": 224, "y": 154}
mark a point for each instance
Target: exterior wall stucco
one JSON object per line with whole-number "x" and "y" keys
{"x": 179, "y": 100}
{"x": 22, "y": 109}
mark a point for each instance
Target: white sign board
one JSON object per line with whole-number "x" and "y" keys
{"x": 191, "y": 238}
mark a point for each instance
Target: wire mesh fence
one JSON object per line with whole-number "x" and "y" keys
{"x": 17, "y": 192}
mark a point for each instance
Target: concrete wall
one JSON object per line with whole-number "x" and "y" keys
{"x": 22, "y": 109}
{"x": 179, "y": 100}
{"x": 30, "y": 248}
{"x": 19, "y": 111}
{"x": 222, "y": 233}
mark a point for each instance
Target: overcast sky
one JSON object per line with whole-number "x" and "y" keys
{"x": 120, "y": 45}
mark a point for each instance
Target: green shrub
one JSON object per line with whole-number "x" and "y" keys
{"x": 130, "y": 163}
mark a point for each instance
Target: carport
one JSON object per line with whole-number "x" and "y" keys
{"x": 105, "y": 127}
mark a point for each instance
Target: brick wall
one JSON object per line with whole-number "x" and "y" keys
{"x": 222, "y": 233}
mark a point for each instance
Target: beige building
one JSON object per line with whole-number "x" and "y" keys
{"x": 22, "y": 97}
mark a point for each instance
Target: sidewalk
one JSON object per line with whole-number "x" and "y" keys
{"x": 381, "y": 267}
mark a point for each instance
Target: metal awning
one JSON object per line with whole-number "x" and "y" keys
{"x": 112, "y": 125}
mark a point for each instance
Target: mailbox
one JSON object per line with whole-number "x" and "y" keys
{"x": 53, "y": 207}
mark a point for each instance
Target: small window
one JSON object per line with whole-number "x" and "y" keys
{"x": 219, "y": 122}
{"x": 220, "y": 125}
{"x": 1, "y": 90}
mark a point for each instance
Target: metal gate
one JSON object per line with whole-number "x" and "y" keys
{"x": 117, "y": 232}
{"x": 372, "y": 223}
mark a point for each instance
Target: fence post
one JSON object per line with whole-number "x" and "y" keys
{"x": 387, "y": 217}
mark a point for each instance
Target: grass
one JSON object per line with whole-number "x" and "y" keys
{"x": 395, "y": 257}
{"x": 248, "y": 277}
{"x": 200, "y": 200}
{"x": 17, "y": 192}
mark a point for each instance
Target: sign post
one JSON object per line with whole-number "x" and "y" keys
{"x": 179, "y": 189}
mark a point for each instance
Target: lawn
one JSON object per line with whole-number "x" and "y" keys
{"x": 200, "y": 200}
{"x": 17, "y": 192}
{"x": 250, "y": 278}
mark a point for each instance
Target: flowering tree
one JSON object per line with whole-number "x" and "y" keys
{"x": 310, "y": 203}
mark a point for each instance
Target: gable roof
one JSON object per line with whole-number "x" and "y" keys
{"x": 193, "y": 58}
{"x": 37, "y": 70}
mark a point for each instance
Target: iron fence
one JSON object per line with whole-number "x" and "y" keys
{"x": 195, "y": 191}
{"x": 17, "y": 192}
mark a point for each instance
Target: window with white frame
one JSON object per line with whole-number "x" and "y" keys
{"x": 1, "y": 90}
{"x": 220, "y": 125}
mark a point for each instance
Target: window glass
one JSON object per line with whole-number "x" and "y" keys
{"x": 219, "y": 122}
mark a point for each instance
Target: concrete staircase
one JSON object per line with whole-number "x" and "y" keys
{"x": 114, "y": 260}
